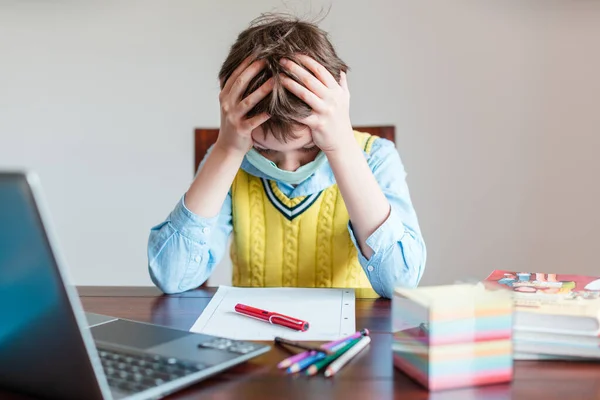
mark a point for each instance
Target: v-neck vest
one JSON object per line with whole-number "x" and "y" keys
{"x": 294, "y": 242}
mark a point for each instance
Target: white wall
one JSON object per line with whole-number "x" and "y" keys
{"x": 496, "y": 106}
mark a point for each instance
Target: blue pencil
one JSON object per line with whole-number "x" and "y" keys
{"x": 308, "y": 361}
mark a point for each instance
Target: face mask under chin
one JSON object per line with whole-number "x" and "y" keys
{"x": 296, "y": 177}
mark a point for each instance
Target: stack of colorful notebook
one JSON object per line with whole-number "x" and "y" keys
{"x": 453, "y": 336}
{"x": 557, "y": 316}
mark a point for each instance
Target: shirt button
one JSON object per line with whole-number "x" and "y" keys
{"x": 370, "y": 268}
{"x": 197, "y": 259}
{"x": 206, "y": 230}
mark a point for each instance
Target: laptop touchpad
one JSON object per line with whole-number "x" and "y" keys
{"x": 132, "y": 334}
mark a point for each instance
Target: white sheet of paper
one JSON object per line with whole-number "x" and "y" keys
{"x": 329, "y": 312}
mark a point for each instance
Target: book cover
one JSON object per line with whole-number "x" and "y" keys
{"x": 540, "y": 283}
{"x": 547, "y": 302}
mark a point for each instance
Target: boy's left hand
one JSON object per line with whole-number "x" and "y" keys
{"x": 329, "y": 121}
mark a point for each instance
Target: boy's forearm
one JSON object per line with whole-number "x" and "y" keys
{"x": 367, "y": 205}
{"x": 208, "y": 191}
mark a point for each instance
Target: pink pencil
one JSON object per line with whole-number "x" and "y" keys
{"x": 301, "y": 356}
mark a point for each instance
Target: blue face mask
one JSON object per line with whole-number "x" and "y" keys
{"x": 270, "y": 169}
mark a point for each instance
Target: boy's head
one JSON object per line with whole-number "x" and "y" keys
{"x": 273, "y": 37}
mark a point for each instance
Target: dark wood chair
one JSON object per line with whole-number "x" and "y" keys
{"x": 206, "y": 137}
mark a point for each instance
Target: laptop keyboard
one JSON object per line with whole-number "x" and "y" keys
{"x": 132, "y": 373}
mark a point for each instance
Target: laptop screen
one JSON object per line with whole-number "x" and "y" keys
{"x": 41, "y": 346}
{"x": 27, "y": 271}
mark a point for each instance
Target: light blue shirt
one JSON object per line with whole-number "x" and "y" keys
{"x": 184, "y": 249}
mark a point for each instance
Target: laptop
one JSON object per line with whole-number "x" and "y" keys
{"x": 50, "y": 348}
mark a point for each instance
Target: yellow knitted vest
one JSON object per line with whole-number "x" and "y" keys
{"x": 298, "y": 242}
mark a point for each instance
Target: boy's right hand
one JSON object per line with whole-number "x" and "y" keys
{"x": 236, "y": 128}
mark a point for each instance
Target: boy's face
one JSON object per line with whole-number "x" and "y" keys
{"x": 289, "y": 155}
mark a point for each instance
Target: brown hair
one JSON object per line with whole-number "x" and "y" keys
{"x": 272, "y": 37}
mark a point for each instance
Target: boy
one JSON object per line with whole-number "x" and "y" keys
{"x": 310, "y": 202}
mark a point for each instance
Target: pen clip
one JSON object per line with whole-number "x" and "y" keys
{"x": 293, "y": 321}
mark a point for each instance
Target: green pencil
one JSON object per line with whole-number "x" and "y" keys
{"x": 313, "y": 369}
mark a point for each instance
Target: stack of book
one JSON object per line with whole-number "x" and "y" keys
{"x": 453, "y": 336}
{"x": 556, "y": 316}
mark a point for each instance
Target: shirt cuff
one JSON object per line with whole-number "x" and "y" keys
{"x": 190, "y": 225}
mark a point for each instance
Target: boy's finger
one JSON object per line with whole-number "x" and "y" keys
{"x": 302, "y": 93}
{"x": 256, "y": 121}
{"x": 241, "y": 82}
{"x": 312, "y": 83}
{"x": 255, "y": 97}
{"x": 309, "y": 121}
{"x": 234, "y": 75}
{"x": 319, "y": 71}
{"x": 344, "y": 81}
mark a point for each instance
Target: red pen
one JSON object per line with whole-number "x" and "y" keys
{"x": 272, "y": 317}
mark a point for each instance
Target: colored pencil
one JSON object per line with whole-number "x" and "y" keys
{"x": 330, "y": 346}
{"x": 280, "y": 340}
{"x": 302, "y": 364}
{"x": 294, "y": 359}
{"x": 335, "y": 366}
{"x": 317, "y": 366}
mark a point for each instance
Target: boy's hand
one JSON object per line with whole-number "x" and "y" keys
{"x": 329, "y": 100}
{"x": 236, "y": 128}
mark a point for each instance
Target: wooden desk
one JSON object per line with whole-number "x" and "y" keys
{"x": 370, "y": 376}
